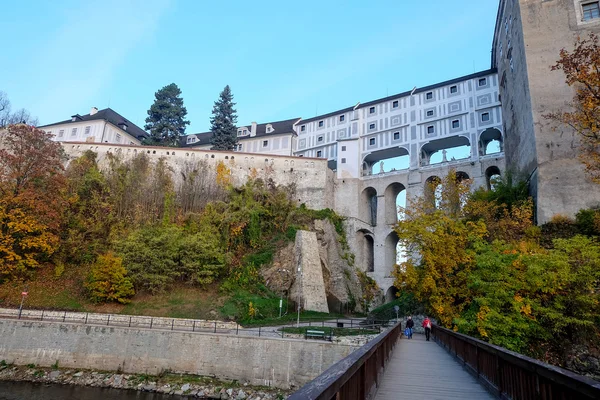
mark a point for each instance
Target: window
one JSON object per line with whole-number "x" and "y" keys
{"x": 321, "y": 123}
{"x": 343, "y": 161}
{"x": 483, "y": 82}
{"x": 320, "y": 139}
{"x": 430, "y": 113}
{"x": 240, "y": 147}
{"x": 303, "y": 128}
{"x": 342, "y": 118}
{"x": 430, "y": 129}
{"x": 118, "y": 138}
{"x": 371, "y": 126}
{"x": 61, "y": 133}
{"x": 372, "y": 110}
{"x": 74, "y": 132}
{"x": 453, "y": 89}
{"x": 87, "y": 130}
{"x": 319, "y": 154}
{"x": 343, "y": 148}
{"x": 455, "y": 124}
{"x": 591, "y": 10}
{"x": 395, "y": 104}
{"x": 265, "y": 143}
{"x": 396, "y": 135}
{"x": 429, "y": 96}
{"x": 485, "y": 117}
{"x": 372, "y": 141}
{"x": 269, "y": 129}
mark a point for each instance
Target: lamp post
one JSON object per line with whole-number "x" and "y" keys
{"x": 299, "y": 297}
{"x": 281, "y": 295}
{"x": 23, "y": 295}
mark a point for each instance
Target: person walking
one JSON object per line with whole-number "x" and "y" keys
{"x": 409, "y": 327}
{"x": 427, "y": 326}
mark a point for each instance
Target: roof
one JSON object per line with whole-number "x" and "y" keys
{"x": 431, "y": 87}
{"x": 279, "y": 127}
{"x": 108, "y": 115}
{"x": 331, "y": 114}
{"x": 403, "y": 94}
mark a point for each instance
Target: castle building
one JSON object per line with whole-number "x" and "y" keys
{"x": 274, "y": 138}
{"x": 528, "y": 37}
{"x": 415, "y": 124}
{"x": 99, "y": 126}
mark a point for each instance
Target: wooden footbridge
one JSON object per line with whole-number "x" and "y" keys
{"x": 452, "y": 366}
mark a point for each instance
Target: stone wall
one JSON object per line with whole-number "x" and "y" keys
{"x": 313, "y": 180}
{"x": 282, "y": 363}
{"x": 312, "y": 286}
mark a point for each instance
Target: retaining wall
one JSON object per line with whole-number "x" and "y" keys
{"x": 313, "y": 180}
{"x": 282, "y": 363}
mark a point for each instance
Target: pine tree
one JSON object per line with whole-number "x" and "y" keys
{"x": 166, "y": 117}
{"x": 222, "y": 123}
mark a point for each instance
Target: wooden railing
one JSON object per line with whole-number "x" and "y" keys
{"x": 514, "y": 376}
{"x": 356, "y": 377}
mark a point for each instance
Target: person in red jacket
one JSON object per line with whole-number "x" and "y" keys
{"x": 427, "y": 326}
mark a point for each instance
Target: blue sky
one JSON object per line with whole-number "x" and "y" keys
{"x": 281, "y": 59}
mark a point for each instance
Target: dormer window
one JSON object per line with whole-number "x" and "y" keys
{"x": 269, "y": 128}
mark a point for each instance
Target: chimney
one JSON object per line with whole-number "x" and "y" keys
{"x": 93, "y": 111}
{"x": 253, "y": 129}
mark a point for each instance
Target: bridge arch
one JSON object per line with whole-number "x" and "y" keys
{"x": 462, "y": 176}
{"x": 432, "y": 190}
{"x": 390, "y": 294}
{"x": 394, "y": 198}
{"x": 391, "y": 250}
{"x": 386, "y": 160}
{"x": 366, "y": 248}
{"x": 491, "y": 174}
{"x": 451, "y": 148}
{"x": 368, "y": 208}
{"x": 491, "y": 142}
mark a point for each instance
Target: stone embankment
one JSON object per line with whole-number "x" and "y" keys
{"x": 200, "y": 387}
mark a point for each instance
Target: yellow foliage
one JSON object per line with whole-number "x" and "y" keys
{"x": 223, "y": 174}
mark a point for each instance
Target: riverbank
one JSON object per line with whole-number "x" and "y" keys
{"x": 167, "y": 383}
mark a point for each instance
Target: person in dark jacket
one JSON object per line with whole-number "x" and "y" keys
{"x": 409, "y": 326}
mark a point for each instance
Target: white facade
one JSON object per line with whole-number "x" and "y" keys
{"x": 96, "y": 131}
{"x": 461, "y": 112}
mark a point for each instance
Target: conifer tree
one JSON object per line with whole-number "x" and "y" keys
{"x": 222, "y": 122}
{"x": 166, "y": 117}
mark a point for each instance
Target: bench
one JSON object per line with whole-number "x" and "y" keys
{"x": 316, "y": 334}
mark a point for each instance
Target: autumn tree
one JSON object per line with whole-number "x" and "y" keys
{"x": 108, "y": 280}
{"x": 166, "y": 117}
{"x": 437, "y": 236}
{"x": 31, "y": 198}
{"x": 7, "y": 117}
{"x": 222, "y": 122}
{"x": 581, "y": 67}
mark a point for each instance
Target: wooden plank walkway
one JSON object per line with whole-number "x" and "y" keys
{"x": 423, "y": 370}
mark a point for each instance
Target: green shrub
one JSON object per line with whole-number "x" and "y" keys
{"x": 587, "y": 221}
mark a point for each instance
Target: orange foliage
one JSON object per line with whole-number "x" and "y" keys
{"x": 31, "y": 197}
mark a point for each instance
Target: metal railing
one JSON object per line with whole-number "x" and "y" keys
{"x": 357, "y": 376}
{"x": 191, "y": 325}
{"x": 510, "y": 375}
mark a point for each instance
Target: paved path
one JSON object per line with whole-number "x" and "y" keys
{"x": 423, "y": 370}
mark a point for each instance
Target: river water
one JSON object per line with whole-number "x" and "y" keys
{"x": 39, "y": 391}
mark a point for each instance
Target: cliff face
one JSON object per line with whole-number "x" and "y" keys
{"x": 342, "y": 287}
